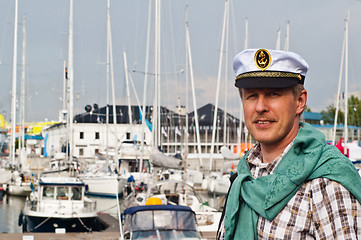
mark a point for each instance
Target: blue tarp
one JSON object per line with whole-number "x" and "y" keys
{"x": 36, "y": 137}
{"x": 133, "y": 210}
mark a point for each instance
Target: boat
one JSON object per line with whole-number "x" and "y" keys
{"x": 218, "y": 182}
{"x": 59, "y": 204}
{"x": 177, "y": 192}
{"x": 20, "y": 184}
{"x": 5, "y": 174}
{"x": 160, "y": 222}
{"x": 104, "y": 184}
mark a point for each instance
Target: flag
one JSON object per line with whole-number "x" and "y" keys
{"x": 45, "y": 153}
{"x": 164, "y": 132}
{"x": 32, "y": 184}
{"x": 178, "y": 132}
{"x": 186, "y": 133}
{"x": 149, "y": 124}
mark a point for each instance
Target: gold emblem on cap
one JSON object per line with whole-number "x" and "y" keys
{"x": 262, "y": 59}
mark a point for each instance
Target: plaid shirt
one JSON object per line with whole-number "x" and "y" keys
{"x": 321, "y": 209}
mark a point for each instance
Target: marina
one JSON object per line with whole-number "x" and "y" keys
{"x": 142, "y": 142}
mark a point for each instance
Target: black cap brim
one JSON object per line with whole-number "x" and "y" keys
{"x": 267, "y": 82}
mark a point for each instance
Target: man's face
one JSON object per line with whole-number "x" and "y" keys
{"x": 271, "y": 115}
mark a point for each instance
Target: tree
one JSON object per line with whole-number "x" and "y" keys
{"x": 354, "y": 111}
{"x": 353, "y": 117}
{"x": 328, "y": 116}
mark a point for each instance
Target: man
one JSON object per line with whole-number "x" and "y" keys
{"x": 292, "y": 184}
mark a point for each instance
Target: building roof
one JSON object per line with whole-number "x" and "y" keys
{"x": 206, "y": 115}
{"x": 312, "y": 116}
{"x": 168, "y": 117}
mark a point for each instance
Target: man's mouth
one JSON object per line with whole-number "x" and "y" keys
{"x": 263, "y": 121}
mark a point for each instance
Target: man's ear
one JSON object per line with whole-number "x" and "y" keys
{"x": 301, "y": 101}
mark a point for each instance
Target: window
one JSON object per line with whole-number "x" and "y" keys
{"x": 76, "y": 193}
{"x": 96, "y": 135}
{"x": 81, "y": 151}
{"x": 96, "y": 151}
{"x": 81, "y": 135}
{"x": 62, "y": 193}
{"x": 48, "y": 193}
{"x": 128, "y": 135}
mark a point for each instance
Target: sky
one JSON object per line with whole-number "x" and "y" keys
{"x": 316, "y": 33}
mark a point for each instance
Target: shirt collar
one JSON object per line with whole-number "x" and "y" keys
{"x": 255, "y": 158}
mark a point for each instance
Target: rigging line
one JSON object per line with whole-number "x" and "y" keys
{"x": 153, "y": 74}
{"x": 135, "y": 92}
{"x": 45, "y": 220}
{"x": 169, "y": 93}
{"x": 89, "y": 229}
{"x": 233, "y": 21}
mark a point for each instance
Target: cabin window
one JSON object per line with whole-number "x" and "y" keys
{"x": 96, "y": 135}
{"x": 96, "y": 151}
{"x": 81, "y": 135}
{"x": 128, "y": 135}
{"x": 81, "y": 151}
{"x": 75, "y": 193}
{"x": 48, "y": 193}
{"x": 62, "y": 193}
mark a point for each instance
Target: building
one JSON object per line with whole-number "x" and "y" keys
{"x": 92, "y": 134}
{"x": 315, "y": 119}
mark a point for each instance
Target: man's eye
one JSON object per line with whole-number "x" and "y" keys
{"x": 251, "y": 96}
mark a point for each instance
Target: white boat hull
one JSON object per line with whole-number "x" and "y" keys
{"x": 5, "y": 175}
{"x": 104, "y": 186}
{"x": 19, "y": 190}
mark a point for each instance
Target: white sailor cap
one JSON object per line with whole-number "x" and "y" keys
{"x": 261, "y": 68}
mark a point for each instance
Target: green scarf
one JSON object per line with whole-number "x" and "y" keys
{"x": 310, "y": 157}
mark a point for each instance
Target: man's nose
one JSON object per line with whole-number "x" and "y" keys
{"x": 261, "y": 105}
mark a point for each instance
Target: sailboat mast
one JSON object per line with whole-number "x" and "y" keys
{"x": 346, "y": 84}
{"x": 186, "y": 148}
{"x": 145, "y": 87}
{"x": 189, "y": 53}
{"x": 287, "y": 40}
{"x": 226, "y": 78}
{"x": 338, "y": 90}
{"x": 127, "y": 87}
{"x": 240, "y": 100}
{"x": 278, "y": 41}
{"x": 158, "y": 68}
{"x": 156, "y": 107}
{"x": 22, "y": 98}
{"x": 226, "y": 7}
{"x": 70, "y": 82}
{"x": 107, "y": 85}
{"x": 65, "y": 77}
{"x": 13, "y": 90}
{"x": 111, "y": 63}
